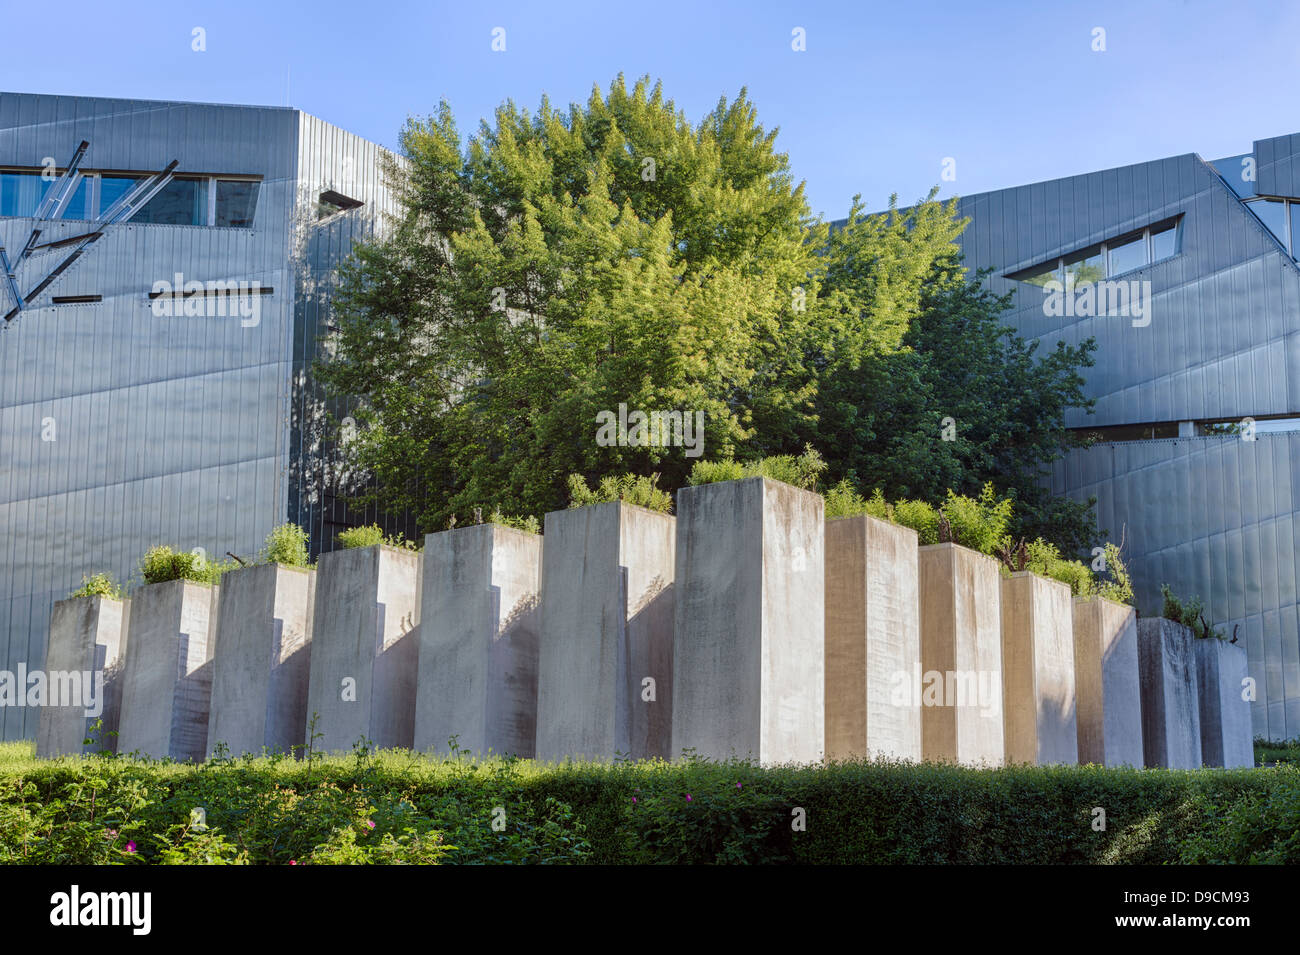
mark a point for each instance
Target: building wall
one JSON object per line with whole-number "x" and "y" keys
{"x": 1210, "y": 516}
{"x": 169, "y": 430}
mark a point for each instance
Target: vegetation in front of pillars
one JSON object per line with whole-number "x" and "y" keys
{"x": 286, "y": 544}
{"x": 161, "y": 564}
{"x": 372, "y": 535}
{"x": 1190, "y": 613}
{"x": 565, "y": 264}
{"x": 630, "y": 488}
{"x": 802, "y": 471}
{"x": 98, "y": 585}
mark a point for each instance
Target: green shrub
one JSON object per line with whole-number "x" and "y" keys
{"x": 286, "y": 544}
{"x": 372, "y": 535}
{"x": 1190, "y": 613}
{"x": 98, "y": 585}
{"x": 161, "y": 564}
{"x": 802, "y": 471}
{"x": 1119, "y": 586}
{"x": 978, "y": 523}
{"x": 630, "y": 488}
{"x": 920, "y": 517}
{"x": 527, "y": 522}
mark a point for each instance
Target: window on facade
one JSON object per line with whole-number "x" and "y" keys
{"x": 1111, "y": 258}
{"x": 111, "y": 189}
{"x": 1272, "y": 212}
{"x": 180, "y": 202}
{"x": 331, "y": 203}
{"x": 236, "y": 203}
{"x": 21, "y": 193}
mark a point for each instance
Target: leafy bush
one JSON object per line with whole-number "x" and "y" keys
{"x": 802, "y": 471}
{"x": 98, "y": 585}
{"x": 1120, "y": 586}
{"x": 629, "y": 488}
{"x": 161, "y": 564}
{"x": 1189, "y": 613}
{"x": 978, "y": 523}
{"x": 372, "y": 535}
{"x": 286, "y": 544}
{"x": 527, "y": 522}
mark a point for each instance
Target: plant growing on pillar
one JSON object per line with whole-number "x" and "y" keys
{"x": 630, "y": 488}
{"x": 98, "y": 585}
{"x": 372, "y": 535}
{"x": 286, "y": 544}
{"x": 1189, "y": 613}
{"x": 161, "y": 564}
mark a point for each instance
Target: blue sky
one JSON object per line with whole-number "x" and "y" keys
{"x": 884, "y": 92}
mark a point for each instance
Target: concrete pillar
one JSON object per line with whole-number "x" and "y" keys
{"x": 607, "y": 627}
{"x": 478, "y": 641}
{"x": 84, "y": 653}
{"x": 261, "y": 661}
{"x": 1226, "y": 736}
{"x": 749, "y": 641}
{"x": 1038, "y": 691}
{"x": 1109, "y": 714}
{"x": 873, "y": 640}
{"x": 365, "y": 648}
{"x": 961, "y": 656}
{"x": 167, "y": 680}
{"x": 1171, "y": 717}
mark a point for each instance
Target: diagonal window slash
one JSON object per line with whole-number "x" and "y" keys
{"x": 121, "y": 211}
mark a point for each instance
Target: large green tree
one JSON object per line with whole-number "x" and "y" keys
{"x": 565, "y": 262}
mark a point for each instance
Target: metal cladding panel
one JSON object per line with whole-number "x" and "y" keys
{"x": 1213, "y": 517}
{"x": 1277, "y": 166}
{"x": 121, "y": 428}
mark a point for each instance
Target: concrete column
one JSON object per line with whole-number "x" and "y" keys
{"x": 749, "y": 640}
{"x": 87, "y": 635}
{"x": 167, "y": 680}
{"x": 873, "y": 640}
{"x": 1227, "y": 738}
{"x": 1109, "y": 714}
{"x": 1038, "y": 691}
{"x": 365, "y": 648}
{"x": 261, "y": 661}
{"x": 1171, "y": 717}
{"x": 961, "y": 655}
{"x": 607, "y": 627}
{"x": 478, "y": 641}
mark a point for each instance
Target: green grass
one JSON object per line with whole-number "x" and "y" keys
{"x": 398, "y": 806}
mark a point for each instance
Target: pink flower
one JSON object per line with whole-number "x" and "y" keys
{"x": 130, "y": 847}
{"x": 738, "y": 785}
{"x": 634, "y": 799}
{"x": 370, "y": 823}
{"x": 293, "y": 862}
{"x": 688, "y": 797}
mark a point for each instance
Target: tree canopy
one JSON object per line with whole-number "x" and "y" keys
{"x": 564, "y": 263}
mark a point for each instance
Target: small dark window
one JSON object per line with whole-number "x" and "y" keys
{"x": 181, "y": 202}
{"x": 332, "y": 203}
{"x": 236, "y": 203}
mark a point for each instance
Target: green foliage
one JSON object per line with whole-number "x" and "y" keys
{"x": 631, "y": 488}
{"x": 161, "y": 564}
{"x": 396, "y": 807}
{"x": 372, "y": 535}
{"x": 802, "y": 470}
{"x": 1190, "y": 613}
{"x": 1116, "y": 585}
{"x": 527, "y": 522}
{"x": 286, "y": 544}
{"x": 98, "y": 585}
{"x": 978, "y": 523}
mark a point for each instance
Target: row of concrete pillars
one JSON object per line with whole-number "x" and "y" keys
{"x": 746, "y": 626}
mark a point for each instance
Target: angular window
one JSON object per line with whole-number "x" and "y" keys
{"x": 1089, "y": 266}
{"x": 1042, "y": 276}
{"x": 1164, "y": 243}
{"x": 236, "y": 203}
{"x": 1128, "y": 254}
{"x": 78, "y": 206}
{"x": 111, "y": 189}
{"x": 331, "y": 203}
{"x": 1271, "y": 212}
{"x": 181, "y": 202}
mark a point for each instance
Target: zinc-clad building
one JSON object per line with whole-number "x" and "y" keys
{"x": 121, "y": 425}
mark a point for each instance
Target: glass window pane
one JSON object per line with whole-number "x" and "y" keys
{"x": 181, "y": 202}
{"x": 1128, "y": 255}
{"x": 236, "y": 203}
{"x": 1045, "y": 275}
{"x": 111, "y": 189}
{"x": 1273, "y": 214}
{"x": 78, "y": 207}
{"x": 1295, "y": 228}
{"x": 21, "y": 193}
{"x": 1085, "y": 267}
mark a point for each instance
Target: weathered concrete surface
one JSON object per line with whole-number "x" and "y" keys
{"x": 1227, "y": 738}
{"x": 607, "y": 626}
{"x": 873, "y": 640}
{"x": 1106, "y": 679}
{"x": 167, "y": 679}
{"x": 479, "y": 627}
{"x": 365, "y": 648}
{"x": 749, "y": 642}
{"x": 1171, "y": 717}
{"x": 87, "y": 636}
{"x": 1038, "y": 685}
{"x": 261, "y": 660}
{"x": 961, "y": 655}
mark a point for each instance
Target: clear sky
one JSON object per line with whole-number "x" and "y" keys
{"x": 884, "y": 92}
